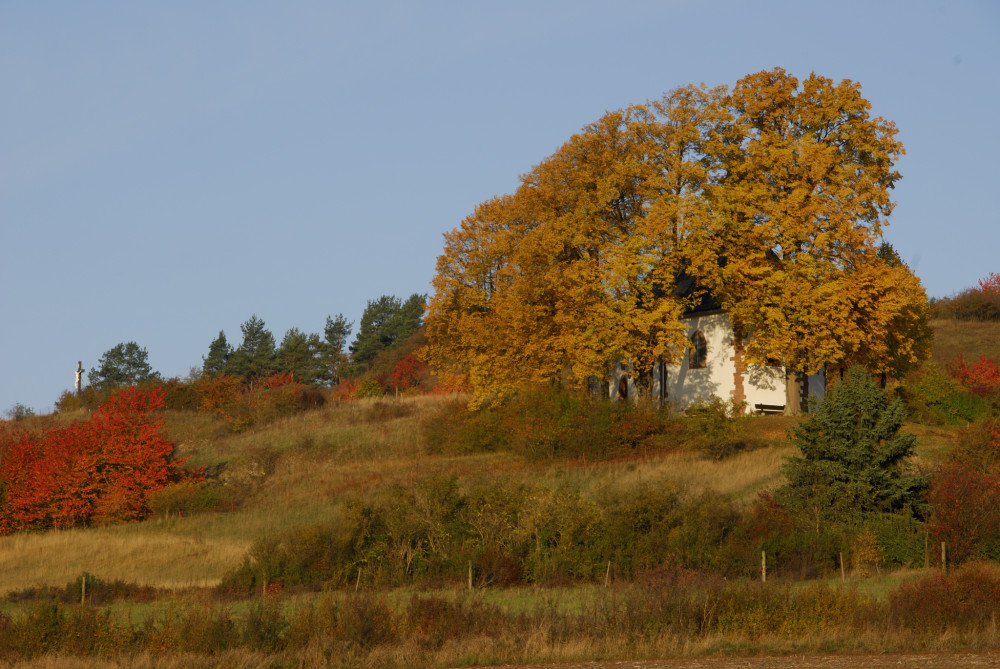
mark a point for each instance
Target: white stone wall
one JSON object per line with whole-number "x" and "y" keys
{"x": 685, "y": 385}
{"x": 762, "y": 384}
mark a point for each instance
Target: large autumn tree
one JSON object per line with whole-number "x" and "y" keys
{"x": 771, "y": 196}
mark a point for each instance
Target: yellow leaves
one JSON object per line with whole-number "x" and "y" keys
{"x": 772, "y": 196}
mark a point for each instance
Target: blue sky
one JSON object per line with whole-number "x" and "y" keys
{"x": 169, "y": 169}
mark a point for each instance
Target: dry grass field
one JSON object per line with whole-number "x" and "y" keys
{"x": 971, "y": 339}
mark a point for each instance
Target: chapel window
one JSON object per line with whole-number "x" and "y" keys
{"x": 698, "y": 356}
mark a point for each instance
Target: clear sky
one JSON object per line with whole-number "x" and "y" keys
{"x": 168, "y": 169}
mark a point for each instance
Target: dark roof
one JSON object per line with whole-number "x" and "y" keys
{"x": 686, "y": 287}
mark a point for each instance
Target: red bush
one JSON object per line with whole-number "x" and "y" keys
{"x": 966, "y": 504}
{"x": 100, "y": 470}
{"x": 990, "y": 284}
{"x": 965, "y": 599}
{"x": 982, "y": 378}
{"x": 409, "y": 372}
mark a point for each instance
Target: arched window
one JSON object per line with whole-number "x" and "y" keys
{"x": 623, "y": 388}
{"x": 698, "y": 356}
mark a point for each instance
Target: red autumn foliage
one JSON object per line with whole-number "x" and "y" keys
{"x": 409, "y": 372}
{"x": 990, "y": 284}
{"x": 769, "y": 520}
{"x": 101, "y": 470}
{"x": 982, "y": 377}
{"x": 966, "y": 503}
{"x": 218, "y": 392}
{"x": 345, "y": 389}
{"x": 278, "y": 380}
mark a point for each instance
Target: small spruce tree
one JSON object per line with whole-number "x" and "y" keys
{"x": 854, "y": 458}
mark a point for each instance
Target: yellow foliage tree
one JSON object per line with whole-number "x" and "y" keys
{"x": 772, "y": 196}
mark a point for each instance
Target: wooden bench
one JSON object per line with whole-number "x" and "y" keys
{"x": 769, "y": 409}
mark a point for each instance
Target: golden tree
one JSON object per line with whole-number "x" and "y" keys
{"x": 798, "y": 211}
{"x": 772, "y": 196}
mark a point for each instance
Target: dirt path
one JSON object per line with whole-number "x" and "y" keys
{"x": 949, "y": 660}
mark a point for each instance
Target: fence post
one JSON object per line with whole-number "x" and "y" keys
{"x": 843, "y": 577}
{"x": 944, "y": 558}
{"x": 763, "y": 566}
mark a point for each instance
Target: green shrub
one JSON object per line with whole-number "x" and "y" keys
{"x": 368, "y": 387}
{"x": 934, "y": 398}
{"x": 263, "y": 627}
{"x": 716, "y": 428}
{"x": 900, "y": 539}
{"x": 854, "y": 457}
{"x": 544, "y": 424}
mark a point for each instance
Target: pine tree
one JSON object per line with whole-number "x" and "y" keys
{"x": 303, "y": 356}
{"x": 124, "y": 365}
{"x": 218, "y": 356}
{"x": 256, "y": 355}
{"x": 336, "y": 332}
{"x": 384, "y": 323}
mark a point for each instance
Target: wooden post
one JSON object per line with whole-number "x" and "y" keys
{"x": 83, "y": 589}
{"x": 763, "y": 567}
{"x": 607, "y": 574}
{"x": 944, "y": 558}
{"x": 843, "y": 577}
{"x": 470, "y": 574}
{"x": 927, "y": 552}
{"x": 357, "y": 583}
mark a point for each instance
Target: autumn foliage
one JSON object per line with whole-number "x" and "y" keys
{"x": 990, "y": 284}
{"x": 966, "y": 517}
{"x": 245, "y": 404}
{"x": 97, "y": 471}
{"x": 981, "y": 377}
{"x": 771, "y": 197}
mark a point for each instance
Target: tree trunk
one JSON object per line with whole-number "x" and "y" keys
{"x": 793, "y": 392}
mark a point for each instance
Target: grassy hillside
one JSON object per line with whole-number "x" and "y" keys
{"x": 297, "y": 471}
{"x": 971, "y": 339}
{"x": 303, "y": 471}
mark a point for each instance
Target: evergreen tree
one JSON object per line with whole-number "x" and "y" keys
{"x": 304, "y": 356}
{"x": 337, "y": 331}
{"x": 218, "y": 356}
{"x": 124, "y": 365}
{"x": 256, "y": 355}
{"x": 854, "y": 458}
{"x": 384, "y": 323}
